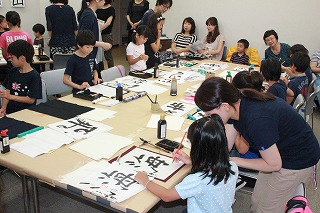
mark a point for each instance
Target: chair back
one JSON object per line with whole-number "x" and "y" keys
{"x": 44, "y": 94}
{"x": 54, "y": 82}
{"x": 310, "y": 102}
{"x": 311, "y": 85}
{"x": 1, "y": 88}
{"x": 60, "y": 60}
{"x": 224, "y": 54}
{"x": 298, "y": 103}
{"x": 113, "y": 73}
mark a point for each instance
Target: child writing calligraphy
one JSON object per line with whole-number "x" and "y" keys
{"x": 82, "y": 66}
{"x": 211, "y": 174}
{"x": 135, "y": 49}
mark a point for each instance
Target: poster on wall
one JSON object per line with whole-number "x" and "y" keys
{"x": 18, "y": 3}
{"x": 0, "y": 3}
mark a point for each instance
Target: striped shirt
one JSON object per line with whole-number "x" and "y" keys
{"x": 237, "y": 59}
{"x": 182, "y": 41}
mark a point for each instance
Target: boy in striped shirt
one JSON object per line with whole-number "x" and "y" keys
{"x": 241, "y": 57}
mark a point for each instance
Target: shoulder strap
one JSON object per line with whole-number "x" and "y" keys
{"x": 119, "y": 70}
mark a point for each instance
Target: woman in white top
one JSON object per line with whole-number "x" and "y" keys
{"x": 214, "y": 41}
{"x": 185, "y": 38}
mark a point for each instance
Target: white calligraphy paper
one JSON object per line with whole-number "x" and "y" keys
{"x": 159, "y": 166}
{"x": 211, "y": 67}
{"x": 79, "y": 128}
{"x": 113, "y": 182}
{"x": 177, "y": 108}
{"x": 41, "y": 142}
{"x": 173, "y": 122}
{"x": 103, "y": 145}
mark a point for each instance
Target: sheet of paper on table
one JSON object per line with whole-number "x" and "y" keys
{"x": 113, "y": 182}
{"x": 98, "y": 114}
{"x": 173, "y": 122}
{"x": 154, "y": 164}
{"x": 41, "y": 142}
{"x": 103, "y": 145}
{"x": 177, "y": 108}
{"x": 79, "y": 128}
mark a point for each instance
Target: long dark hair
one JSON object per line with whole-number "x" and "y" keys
{"x": 211, "y": 37}
{"x": 153, "y": 22}
{"x": 209, "y": 149}
{"x": 246, "y": 79}
{"x": 215, "y": 91}
{"x": 84, "y": 6}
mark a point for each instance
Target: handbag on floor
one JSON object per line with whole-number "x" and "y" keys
{"x": 298, "y": 204}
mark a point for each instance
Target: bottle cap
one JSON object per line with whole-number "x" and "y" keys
{"x": 229, "y": 73}
{"x": 4, "y": 133}
{"x": 174, "y": 78}
{"x": 162, "y": 117}
{"x": 118, "y": 85}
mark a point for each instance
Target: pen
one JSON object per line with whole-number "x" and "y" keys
{"x": 185, "y": 133}
{"x": 155, "y": 101}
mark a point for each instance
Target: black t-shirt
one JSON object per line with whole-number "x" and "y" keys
{"x": 88, "y": 21}
{"x": 81, "y": 69}
{"x": 104, "y": 14}
{"x": 136, "y": 11}
{"x": 264, "y": 123}
{"x": 149, "y": 51}
{"x": 22, "y": 84}
{"x": 279, "y": 89}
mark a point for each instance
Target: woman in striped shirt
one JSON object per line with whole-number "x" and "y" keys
{"x": 185, "y": 38}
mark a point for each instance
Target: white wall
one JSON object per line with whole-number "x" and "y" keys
{"x": 295, "y": 21}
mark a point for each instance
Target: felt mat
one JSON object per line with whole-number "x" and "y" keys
{"x": 60, "y": 109}
{"x": 14, "y": 126}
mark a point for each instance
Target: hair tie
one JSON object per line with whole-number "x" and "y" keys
{"x": 134, "y": 31}
{"x": 160, "y": 18}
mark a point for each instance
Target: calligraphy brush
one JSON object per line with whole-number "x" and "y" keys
{"x": 151, "y": 144}
{"x": 174, "y": 158}
{"x": 150, "y": 100}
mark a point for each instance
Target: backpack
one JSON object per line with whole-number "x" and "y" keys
{"x": 298, "y": 204}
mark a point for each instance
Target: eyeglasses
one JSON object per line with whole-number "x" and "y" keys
{"x": 165, "y": 6}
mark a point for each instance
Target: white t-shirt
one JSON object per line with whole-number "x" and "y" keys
{"x": 204, "y": 197}
{"x": 136, "y": 51}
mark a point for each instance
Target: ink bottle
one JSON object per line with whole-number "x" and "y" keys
{"x": 4, "y": 144}
{"x": 174, "y": 87}
{"x": 156, "y": 71}
{"x": 178, "y": 61}
{"x": 229, "y": 77}
{"x": 119, "y": 92}
{"x": 162, "y": 127}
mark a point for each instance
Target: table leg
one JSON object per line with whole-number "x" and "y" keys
{"x": 35, "y": 194}
{"x": 26, "y": 197}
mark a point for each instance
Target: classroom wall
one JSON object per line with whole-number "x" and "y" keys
{"x": 295, "y": 21}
